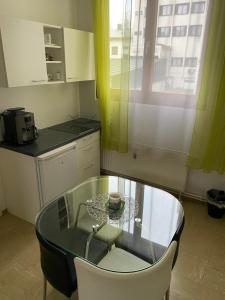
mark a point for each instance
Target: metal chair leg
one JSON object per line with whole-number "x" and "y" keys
{"x": 168, "y": 294}
{"x": 44, "y": 288}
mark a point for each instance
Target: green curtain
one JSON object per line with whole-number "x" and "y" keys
{"x": 207, "y": 151}
{"x": 113, "y": 102}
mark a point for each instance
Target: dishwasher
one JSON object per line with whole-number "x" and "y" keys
{"x": 57, "y": 172}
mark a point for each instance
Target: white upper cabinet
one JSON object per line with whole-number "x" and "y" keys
{"x": 79, "y": 55}
{"x": 22, "y": 53}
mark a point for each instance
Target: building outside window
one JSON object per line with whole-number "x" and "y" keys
{"x": 114, "y": 50}
{"x": 170, "y": 62}
{"x": 138, "y": 32}
{"x": 195, "y": 30}
{"x": 164, "y": 31}
{"x": 179, "y": 30}
{"x": 165, "y": 10}
{"x": 198, "y": 7}
{"x": 182, "y": 9}
{"x": 138, "y": 12}
{"x": 177, "y": 61}
{"x": 119, "y": 27}
{"x": 190, "y": 62}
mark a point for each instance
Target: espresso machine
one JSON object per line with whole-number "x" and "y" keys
{"x": 19, "y": 126}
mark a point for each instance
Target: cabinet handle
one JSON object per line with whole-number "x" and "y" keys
{"x": 43, "y": 80}
{"x": 72, "y": 78}
{"x": 87, "y": 149}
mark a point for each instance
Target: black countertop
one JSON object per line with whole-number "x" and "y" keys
{"x": 56, "y": 136}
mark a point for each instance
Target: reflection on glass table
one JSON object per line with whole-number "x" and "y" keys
{"x": 81, "y": 223}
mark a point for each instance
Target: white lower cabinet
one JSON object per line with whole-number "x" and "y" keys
{"x": 29, "y": 182}
{"x": 88, "y": 156}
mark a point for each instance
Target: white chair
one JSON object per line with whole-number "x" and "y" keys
{"x": 95, "y": 283}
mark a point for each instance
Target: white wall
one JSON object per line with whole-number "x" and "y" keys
{"x": 85, "y": 15}
{"x": 198, "y": 182}
{"x": 54, "y": 103}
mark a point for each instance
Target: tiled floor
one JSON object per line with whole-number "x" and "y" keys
{"x": 198, "y": 275}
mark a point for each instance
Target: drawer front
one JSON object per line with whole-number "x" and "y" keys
{"x": 88, "y": 155}
{"x": 93, "y": 169}
{"x": 87, "y": 140}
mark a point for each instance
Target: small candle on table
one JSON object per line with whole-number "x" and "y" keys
{"x": 114, "y": 200}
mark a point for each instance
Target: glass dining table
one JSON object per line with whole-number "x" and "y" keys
{"x": 83, "y": 223}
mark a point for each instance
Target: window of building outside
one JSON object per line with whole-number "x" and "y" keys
{"x": 138, "y": 32}
{"x": 119, "y": 27}
{"x": 182, "y": 9}
{"x": 114, "y": 50}
{"x": 162, "y": 66}
{"x": 195, "y": 30}
{"x": 190, "y": 62}
{"x": 179, "y": 30}
{"x": 198, "y": 7}
{"x": 165, "y": 10}
{"x": 164, "y": 31}
{"x": 177, "y": 61}
{"x": 138, "y": 12}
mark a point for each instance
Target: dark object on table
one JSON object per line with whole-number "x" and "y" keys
{"x": 115, "y": 214}
{"x": 216, "y": 203}
{"x": 58, "y": 268}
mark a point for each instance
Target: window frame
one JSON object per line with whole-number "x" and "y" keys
{"x": 196, "y": 3}
{"x": 113, "y": 48}
{"x": 146, "y": 95}
{"x": 176, "y": 59}
{"x": 181, "y": 4}
{"x": 194, "y": 26}
{"x": 161, "y": 7}
{"x": 164, "y": 27}
{"x": 188, "y": 59}
{"x": 178, "y": 35}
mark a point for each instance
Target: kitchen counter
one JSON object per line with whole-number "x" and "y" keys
{"x": 56, "y": 136}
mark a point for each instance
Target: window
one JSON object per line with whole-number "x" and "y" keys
{"x": 179, "y": 30}
{"x": 137, "y": 13}
{"x": 161, "y": 67}
{"x": 190, "y": 62}
{"x": 114, "y": 50}
{"x": 177, "y": 61}
{"x": 165, "y": 10}
{"x": 164, "y": 31}
{"x": 119, "y": 27}
{"x": 195, "y": 30}
{"x": 198, "y": 7}
{"x": 138, "y": 32}
{"x": 182, "y": 9}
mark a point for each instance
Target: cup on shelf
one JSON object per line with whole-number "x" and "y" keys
{"x": 58, "y": 76}
{"x": 48, "y": 38}
{"x": 50, "y": 77}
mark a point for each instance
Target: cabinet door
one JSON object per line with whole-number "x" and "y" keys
{"x": 23, "y": 51}
{"x": 79, "y": 55}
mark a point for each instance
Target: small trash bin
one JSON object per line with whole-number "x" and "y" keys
{"x": 216, "y": 203}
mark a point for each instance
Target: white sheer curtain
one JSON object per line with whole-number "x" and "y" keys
{"x": 165, "y": 57}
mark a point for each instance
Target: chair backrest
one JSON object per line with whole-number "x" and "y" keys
{"x": 150, "y": 284}
{"x": 58, "y": 267}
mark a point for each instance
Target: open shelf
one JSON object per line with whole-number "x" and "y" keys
{"x": 54, "y": 54}
{"x": 49, "y": 26}
{"x": 53, "y": 46}
{"x": 55, "y": 81}
{"x": 53, "y": 61}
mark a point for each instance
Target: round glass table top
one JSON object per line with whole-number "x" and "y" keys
{"x": 85, "y": 222}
